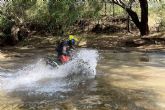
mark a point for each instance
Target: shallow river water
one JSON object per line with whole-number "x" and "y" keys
{"x": 113, "y": 81}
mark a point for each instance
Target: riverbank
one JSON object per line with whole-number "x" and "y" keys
{"x": 127, "y": 42}
{"x": 117, "y": 42}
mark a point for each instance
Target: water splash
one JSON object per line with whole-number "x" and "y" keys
{"x": 42, "y": 77}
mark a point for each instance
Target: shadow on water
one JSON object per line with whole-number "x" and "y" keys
{"x": 18, "y": 57}
{"x": 116, "y": 98}
{"x": 125, "y": 80}
{"x": 59, "y": 100}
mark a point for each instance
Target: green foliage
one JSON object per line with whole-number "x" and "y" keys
{"x": 16, "y": 9}
{"x": 157, "y": 14}
{"x": 38, "y": 13}
{"x": 93, "y": 7}
{"x": 3, "y": 24}
{"x": 56, "y": 15}
{"x": 3, "y": 21}
{"x": 64, "y": 13}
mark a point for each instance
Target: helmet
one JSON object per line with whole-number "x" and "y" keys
{"x": 73, "y": 37}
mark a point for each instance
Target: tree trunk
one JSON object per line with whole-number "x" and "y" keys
{"x": 105, "y": 6}
{"x": 113, "y": 9}
{"x": 144, "y": 29}
{"x": 143, "y": 24}
{"x": 128, "y": 23}
{"x": 134, "y": 17}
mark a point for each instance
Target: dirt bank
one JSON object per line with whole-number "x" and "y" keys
{"x": 117, "y": 41}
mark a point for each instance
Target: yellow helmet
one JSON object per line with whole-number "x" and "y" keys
{"x": 73, "y": 37}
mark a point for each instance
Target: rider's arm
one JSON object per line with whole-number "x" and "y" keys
{"x": 64, "y": 50}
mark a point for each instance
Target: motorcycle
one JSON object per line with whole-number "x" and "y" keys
{"x": 55, "y": 61}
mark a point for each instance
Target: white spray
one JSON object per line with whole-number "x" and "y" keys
{"x": 42, "y": 77}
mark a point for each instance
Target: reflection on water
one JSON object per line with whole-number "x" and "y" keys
{"x": 140, "y": 83}
{"x": 124, "y": 81}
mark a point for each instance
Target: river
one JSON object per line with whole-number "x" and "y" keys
{"x": 106, "y": 80}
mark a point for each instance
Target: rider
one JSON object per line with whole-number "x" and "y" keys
{"x": 62, "y": 50}
{"x": 71, "y": 43}
{"x": 65, "y": 49}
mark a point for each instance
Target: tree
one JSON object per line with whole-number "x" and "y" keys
{"x": 53, "y": 16}
{"x": 63, "y": 14}
{"x": 12, "y": 15}
{"x": 140, "y": 22}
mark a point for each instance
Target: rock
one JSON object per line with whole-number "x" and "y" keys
{"x": 144, "y": 58}
{"x": 134, "y": 43}
{"x": 139, "y": 41}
